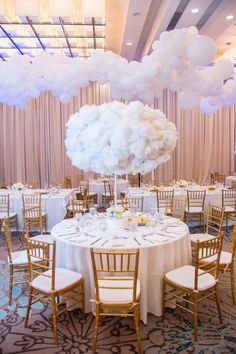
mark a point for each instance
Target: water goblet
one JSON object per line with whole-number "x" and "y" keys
{"x": 92, "y": 212}
{"x": 133, "y": 227}
{"x": 103, "y": 225}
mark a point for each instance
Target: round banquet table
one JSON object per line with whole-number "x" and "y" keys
{"x": 97, "y": 186}
{"x": 162, "y": 248}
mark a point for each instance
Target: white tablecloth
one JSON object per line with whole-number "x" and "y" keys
{"x": 161, "y": 251}
{"x": 150, "y": 200}
{"x": 229, "y": 180}
{"x": 53, "y": 205}
{"x": 97, "y": 186}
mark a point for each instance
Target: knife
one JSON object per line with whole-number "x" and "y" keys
{"x": 137, "y": 241}
{"x": 96, "y": 241}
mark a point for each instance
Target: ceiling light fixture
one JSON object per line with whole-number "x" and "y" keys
{"x": 195, "y": 11}
{"x": 129, "y": 43}
{"x": 229, "y": 17}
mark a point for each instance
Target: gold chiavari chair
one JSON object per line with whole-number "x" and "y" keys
{"x": 80, "y": 206}
{"x": 48, "y": 283}
{"x": 32, "y": 212}
{"x": 226, "y": 266}
{"x": 33, "y": 217}
{"x": 195, "y": 283}
{"x": 162, "y": 197}
{"x": 134, "y": 204}
{"x": 215, "y": 218}
{"x": 18, "y": 262}
{"x": 67, "y": 183}
{"x": 219, "y": 178}
{"x": 176, "y": 208}
{"x": 108, "y": 195}
{"x": 195, "y": 205}
{"x": 229, "y": 204}
{"x": 85, "y": 191}
{"x": 5, "y": 212}
{"x": 212, "y": 178}
{"x": 168, "y": 182}
{"x": 233, "y": 185}
{"x": 117, "y": 288}
{"x": 34, "y": 185}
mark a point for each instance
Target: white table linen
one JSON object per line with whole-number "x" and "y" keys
{"x": 53, "y": 205}
{"x": 150, "y": 200}
{"x": 97, "y": 186}
{"x": 229, "y": 180}
{"x": 160, "y": 252}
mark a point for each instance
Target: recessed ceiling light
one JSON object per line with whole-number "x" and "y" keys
{"x": 229, "y": 17}
{"x": 195, "y": 11}
{"x": 129, "y": 43}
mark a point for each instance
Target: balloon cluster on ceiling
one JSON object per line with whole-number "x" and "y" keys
{"x": 142, "y": 139}
{"x": 180, "y": 61}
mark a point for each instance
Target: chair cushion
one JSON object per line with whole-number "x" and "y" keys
{"x": 116, "y": 295}
{"x": 200, "y": 237}
{"x": 21, "y": 257}
{"x": 4, "y": 215}
{"x": 229, "y": 209}
{"x": 194, "y": 209}
{"x": 225, "y": 258}
{"x": 184, "y": 277}
{"x": 63, "y": 279}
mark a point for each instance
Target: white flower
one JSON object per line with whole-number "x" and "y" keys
{"x": 115, "y": 210}
{"x": 118, "y": 138}
{"x": 182, "y": 183}
{"x": 17, "y": 186}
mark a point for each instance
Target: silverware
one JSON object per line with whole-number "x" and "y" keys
{"x": 164, "y": 235}
{"x": 100, "y": 238}
{"x": 137, "y": 241}
{"x": 149, "y": 240}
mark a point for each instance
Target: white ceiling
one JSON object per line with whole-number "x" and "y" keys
{"x": 138, "y": 22}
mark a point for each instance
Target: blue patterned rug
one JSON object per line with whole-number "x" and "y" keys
{"x": 173, "y": 334}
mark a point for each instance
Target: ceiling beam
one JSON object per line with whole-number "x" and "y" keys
{"x": 9, "y": 37}
{"x": 35, "y": 33}
{"x": 56, "y": 37}
{"x": 65, "y": 35}
{"x": 94, "y": 33}
{"x": 53, "y": 24}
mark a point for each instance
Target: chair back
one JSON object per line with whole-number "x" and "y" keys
{"x": 212, "y": 178}
{"x": 228, "y": 198}
{"x": 233, "y": 185}
{"x": 219, "y": 178}
{"x": 134, "y": 204}
{"x": 8, "y": 236}
{"x": 233, "y": 246}
{"x": 176, "y": 208}
{"x": 162, "y": 197}
{"x": 133, "y": 180}
{"x": 196, "y": 199}
{"x": 205, "y": 250}
{"x": 215, "y": 218}
{"x": 42, "y": 258}
{"x": 115, "y": 266}
{"x": 31, "y": 200}
{"x": 67, "y": 182}
{"x": 108, "y": 189}
{"x": 84, "y": 187}
{"x": 5, "y": 204}
{"x": 77, "y": 206}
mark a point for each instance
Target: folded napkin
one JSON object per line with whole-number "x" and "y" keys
{"x": 156, "y": 238}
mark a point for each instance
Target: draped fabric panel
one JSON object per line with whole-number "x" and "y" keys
{"x": 32, "y": 140}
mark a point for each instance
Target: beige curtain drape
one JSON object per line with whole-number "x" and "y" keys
{"x": 32, "y": 140}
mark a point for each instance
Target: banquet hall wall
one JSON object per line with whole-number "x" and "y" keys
{"x": 32, "y": 140}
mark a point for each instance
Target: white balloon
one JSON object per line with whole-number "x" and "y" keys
{"x": 188, "y": 99}
{"x": 201, "y": 50}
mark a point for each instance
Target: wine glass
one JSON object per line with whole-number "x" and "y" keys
{"x": 103, "y": 225}
{"x": 92, "y": 212}
{"x": 133, "y": 227}
{"x": 83, "y": 224}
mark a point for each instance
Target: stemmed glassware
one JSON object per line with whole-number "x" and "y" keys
{"x": 133, "y": 227}
{"x": 103, "y": 225}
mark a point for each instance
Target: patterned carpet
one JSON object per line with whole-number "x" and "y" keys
{"x": 173, "y": 334}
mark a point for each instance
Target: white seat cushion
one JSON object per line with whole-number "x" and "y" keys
{"x": 4, "y": 215}
{"x": 194, "y": 209}
{"x": 63, "y": 279}
{"x": 116, "y": 295}
{"x": 225, "y": 258}
{"x": 20, "y": 257}
{"x": 184, "y": 277}
{"x": 44, "y": 238}
{"x": 229, "y": 209}
{"x": 201, "y": 237}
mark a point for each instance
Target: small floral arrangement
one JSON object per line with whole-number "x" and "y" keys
{"x": 115, "y": 210}
{"x": 182, "y": 183}
{"x": 17, "y": 187}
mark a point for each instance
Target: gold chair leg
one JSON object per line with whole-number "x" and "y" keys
{"x": 218, "y": 303}
{"x": 195, "y": 317}
{"x": 54, "y": 319}
{"x": 163, "y": 298}
{"x": 233, "y": 285}
{"x": 137, "y": 325}
{"x": 28, "y": 306}
{"x": 82, "y": 299}
{"x": 10, "y": 284}
{"x": 96, "y": 328}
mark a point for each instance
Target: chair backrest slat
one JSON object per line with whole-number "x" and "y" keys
{"x": 5, "y": 204}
